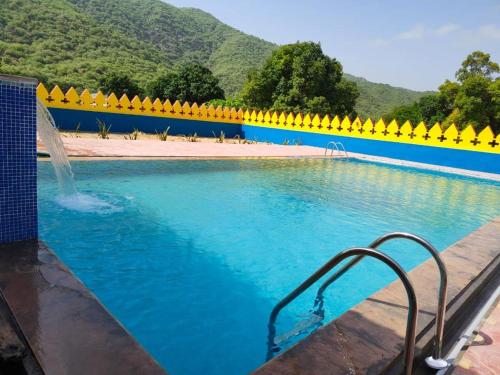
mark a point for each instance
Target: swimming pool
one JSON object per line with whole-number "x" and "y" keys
{"x": 191, "y": 256}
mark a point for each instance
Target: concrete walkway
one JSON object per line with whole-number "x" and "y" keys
{"x": 86, "y": 147}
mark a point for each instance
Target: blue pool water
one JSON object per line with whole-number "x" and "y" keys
{"x": 191, "y": 256}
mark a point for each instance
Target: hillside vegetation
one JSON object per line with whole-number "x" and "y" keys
{"x": 74, "y": 42}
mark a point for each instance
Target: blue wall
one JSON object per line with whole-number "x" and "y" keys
{"x": 472, "y": 160}
{"x": 18, "y": 204}
{"x": 68, "y": 119}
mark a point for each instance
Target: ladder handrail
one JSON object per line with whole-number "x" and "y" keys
{"x": 343, "y": 148}
{"x": 334, "y": 145}
{"x": 441, "y": 309}
{"x": 411, "y": 323}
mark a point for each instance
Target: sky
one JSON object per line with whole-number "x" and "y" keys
{"x": 415, "y": 44}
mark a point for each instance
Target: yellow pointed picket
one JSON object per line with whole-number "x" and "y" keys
{"x": 98, "y": 101}
{"x": 253, "y": 117}
{"x": 247, "y": 116}
{"x": 290, "y": 119}
{"x": 485, "y": 138}
{"x": 112, "y": 103}
{"x": 157, "y": 108}
{"x": 167, "y": 108}
{"x": 124, "y": 104}
{"x": 325, "y": 125}
{"x": 274, "y": 119}
{"x": 233, "y": 114}
{"x": 391, "y": 130}
{"x": 147, "y": 106}
{"x": 260, "y": 117}
{"x": 469, "y": 137}
{"x": 368, "y": 128}
{"x": 282, "y": 119}
{"x": 86, "y": 100}
{"x": 267, "y": 118}
{"x": 211, "y": 112}
{"x": 299, "y": 121}
{"x": 420, "y": 132}
{"x": 379, "y": 130}
{"x": 435, "y": 135}
{"x": 227, "y": 113}
{"x": 450, "y": 137}
{"x": 136, "y": 105}
{"x": 203, "y": 114}
{"x": 218, "y": 112}
{"x": 177, "y": 108}
{"x": 241, "y": 114}
{"x": 72, "y": 99}
{"x": 306, "y": 121}
{"x": 195, "y": 110}
{"x": 56, "y": 97}
{"x": 42, "y": 94}
{"x": 406, "y": 131}
{"x": 356, "y": 127}
{"x": 186, "y": 110}
{"x": 336, "y": 125}
{"x": 315, "y": 123}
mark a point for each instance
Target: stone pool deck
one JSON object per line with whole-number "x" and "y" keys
{"x": 482, "y": 355}
{"x": 66, "y": 328}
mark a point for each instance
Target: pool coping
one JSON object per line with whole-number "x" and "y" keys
{"x": 369, "y": 337}
{"x": 66, "y": 327}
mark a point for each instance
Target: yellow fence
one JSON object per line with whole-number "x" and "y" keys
{"x": 467, "y": 139}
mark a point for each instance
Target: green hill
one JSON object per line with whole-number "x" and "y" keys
{"x": 73, "y": 42}
{"x": 377, "y": 99}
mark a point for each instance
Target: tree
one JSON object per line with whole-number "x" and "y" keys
{"x": 191, "y": 83}
{"x": 300, "y": 78}
{"x": 119, "y": 84}
{"x": 474, "y": 100}
{"x": 404, "y": 113}
{"x": 477, "y": 64}
{"x": 228, "y": 102}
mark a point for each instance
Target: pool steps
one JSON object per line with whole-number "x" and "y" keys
{"x": 435, "y": 361}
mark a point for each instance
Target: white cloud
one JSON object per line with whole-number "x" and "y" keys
{"x": 489, "y": 31}
{"x": 446, "y": 29}
{"x": 415, "y": 33}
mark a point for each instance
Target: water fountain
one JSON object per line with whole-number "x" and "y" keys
{"x": 69, "y": 196}
{"x": 50, "y": 137}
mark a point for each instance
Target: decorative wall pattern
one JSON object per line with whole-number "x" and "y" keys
{"x": 467, "y": 139}
{"x": 18, "y": 205}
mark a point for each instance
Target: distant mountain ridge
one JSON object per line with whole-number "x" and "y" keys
{"x": 73, "y": 42}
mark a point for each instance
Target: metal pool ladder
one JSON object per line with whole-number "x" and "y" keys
{"x": 435, "y": 361}
{"x": 335, "y": 147}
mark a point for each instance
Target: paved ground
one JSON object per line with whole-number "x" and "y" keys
{"x": 89, "y": 147}
{"x": 483, "y": 354}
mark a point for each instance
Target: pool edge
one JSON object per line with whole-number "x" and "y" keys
{"x": 66, "y": 327}
{"x": 369, "y": 337}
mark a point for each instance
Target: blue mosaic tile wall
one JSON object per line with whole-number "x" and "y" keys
{"x": 18, "y": 200}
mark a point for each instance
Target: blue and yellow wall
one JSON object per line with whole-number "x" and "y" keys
{"x": 467, "y": 149}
